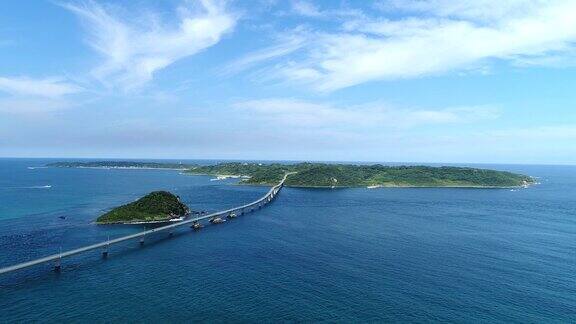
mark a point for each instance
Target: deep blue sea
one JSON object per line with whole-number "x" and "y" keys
{"x": 331, "y": 255}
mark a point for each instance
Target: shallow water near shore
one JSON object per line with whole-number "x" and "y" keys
{"x": 347, "y": 255}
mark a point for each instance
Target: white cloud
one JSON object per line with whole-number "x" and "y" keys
{"x": 34, "y": 97}
{"x": 479, "y": 10}
{"x": 285, "y": 47}
{"x": 135, "y": 48}
{"x": 32, "y": 107}
{"x": 433, "y": 37}
{"x": 306, "y": 8}
{"x": 302, "y": 114}
{"x": 310, "y": 10}
{"x": 50, "y": 87}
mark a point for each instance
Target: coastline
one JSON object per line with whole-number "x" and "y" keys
{"x": 120, "y": 168}
{"x": 401, "y": 186}
{"x": 187, "y": 171}
{"x": 388, "y": 186}
{"x": 139, "y": 222}
{"x": 240, "y": 183}
{"x": 219, "y": 176}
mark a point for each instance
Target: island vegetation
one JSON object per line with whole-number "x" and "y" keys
{"x": 341, "y": 175}
{"x": 157, "y": 206}
{"x": 348, "y": 175}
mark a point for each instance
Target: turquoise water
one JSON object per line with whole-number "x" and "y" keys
{"x": 347, "y": 255}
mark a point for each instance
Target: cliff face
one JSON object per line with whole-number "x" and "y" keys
{"x": 155, "y": 206}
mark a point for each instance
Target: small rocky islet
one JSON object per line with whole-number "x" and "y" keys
{"x": 155, "y": 207}
{"x": 163, "y": 206}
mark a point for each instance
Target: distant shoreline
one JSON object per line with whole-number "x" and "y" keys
{"x": 139, "y": 222}
{"x": 234, "y": 176}
{"x": 392, "y": 186}
{"x": 120, "y": 168}
{"x": 332, "y": 176}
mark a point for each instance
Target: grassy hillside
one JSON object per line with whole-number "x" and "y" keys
{"x": 155, "y": 206}
{"x": 342, "y": 175}
{"x": 347, "y": 175}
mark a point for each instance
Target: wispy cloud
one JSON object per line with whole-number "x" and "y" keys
{"x": 283, "y": 48}
{"x": 431, "y": 37}
{"x": 311, "y": 10}
{"x": 50, "y": 87}
{"x": 306, "y": 8}
{"x": 368, "y": 117}
{"x": 135, "y": 46}
{"x": 477, "y": 10}
{"x": 33, "y": 107}
{"x": 34, "y": 98}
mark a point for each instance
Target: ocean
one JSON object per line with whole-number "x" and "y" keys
{"x": 313, "y": 255}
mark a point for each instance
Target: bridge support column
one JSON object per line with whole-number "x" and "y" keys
{"x": 58, "y": 265}
{"x": 106, "y": 248}
{"x": 196, "y": 225}
{"x": 141, "y": 240}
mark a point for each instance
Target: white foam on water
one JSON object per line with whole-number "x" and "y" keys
{"x": 35, "y": 187}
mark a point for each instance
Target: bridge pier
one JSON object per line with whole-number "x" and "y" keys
{"x": 196, "y": 225}
{"x": 58, "y": 265}
{"x": 104, "y": 247}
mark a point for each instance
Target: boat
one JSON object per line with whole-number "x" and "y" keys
{"x": 231, "y": 215}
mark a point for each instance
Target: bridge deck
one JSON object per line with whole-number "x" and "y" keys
{"x": 271, "y": 193}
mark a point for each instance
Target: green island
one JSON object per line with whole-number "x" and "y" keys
{"x": 157, "y": 206}
{"x": 322, "y": 175}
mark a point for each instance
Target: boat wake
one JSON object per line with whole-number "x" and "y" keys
{"x": 34, "y": 187}
{"x": 27, "y": 188}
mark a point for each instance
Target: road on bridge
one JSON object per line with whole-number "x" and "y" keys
{"x": 57, "y": 258}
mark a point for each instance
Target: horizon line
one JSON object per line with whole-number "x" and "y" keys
{"x": 288, "y": 160}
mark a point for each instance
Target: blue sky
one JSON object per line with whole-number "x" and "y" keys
{"x": 482, "y": 81}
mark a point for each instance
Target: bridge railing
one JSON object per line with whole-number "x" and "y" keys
{"x": 58, "y": 257}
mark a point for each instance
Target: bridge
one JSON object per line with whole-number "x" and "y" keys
{"x": 193, "y": 222}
